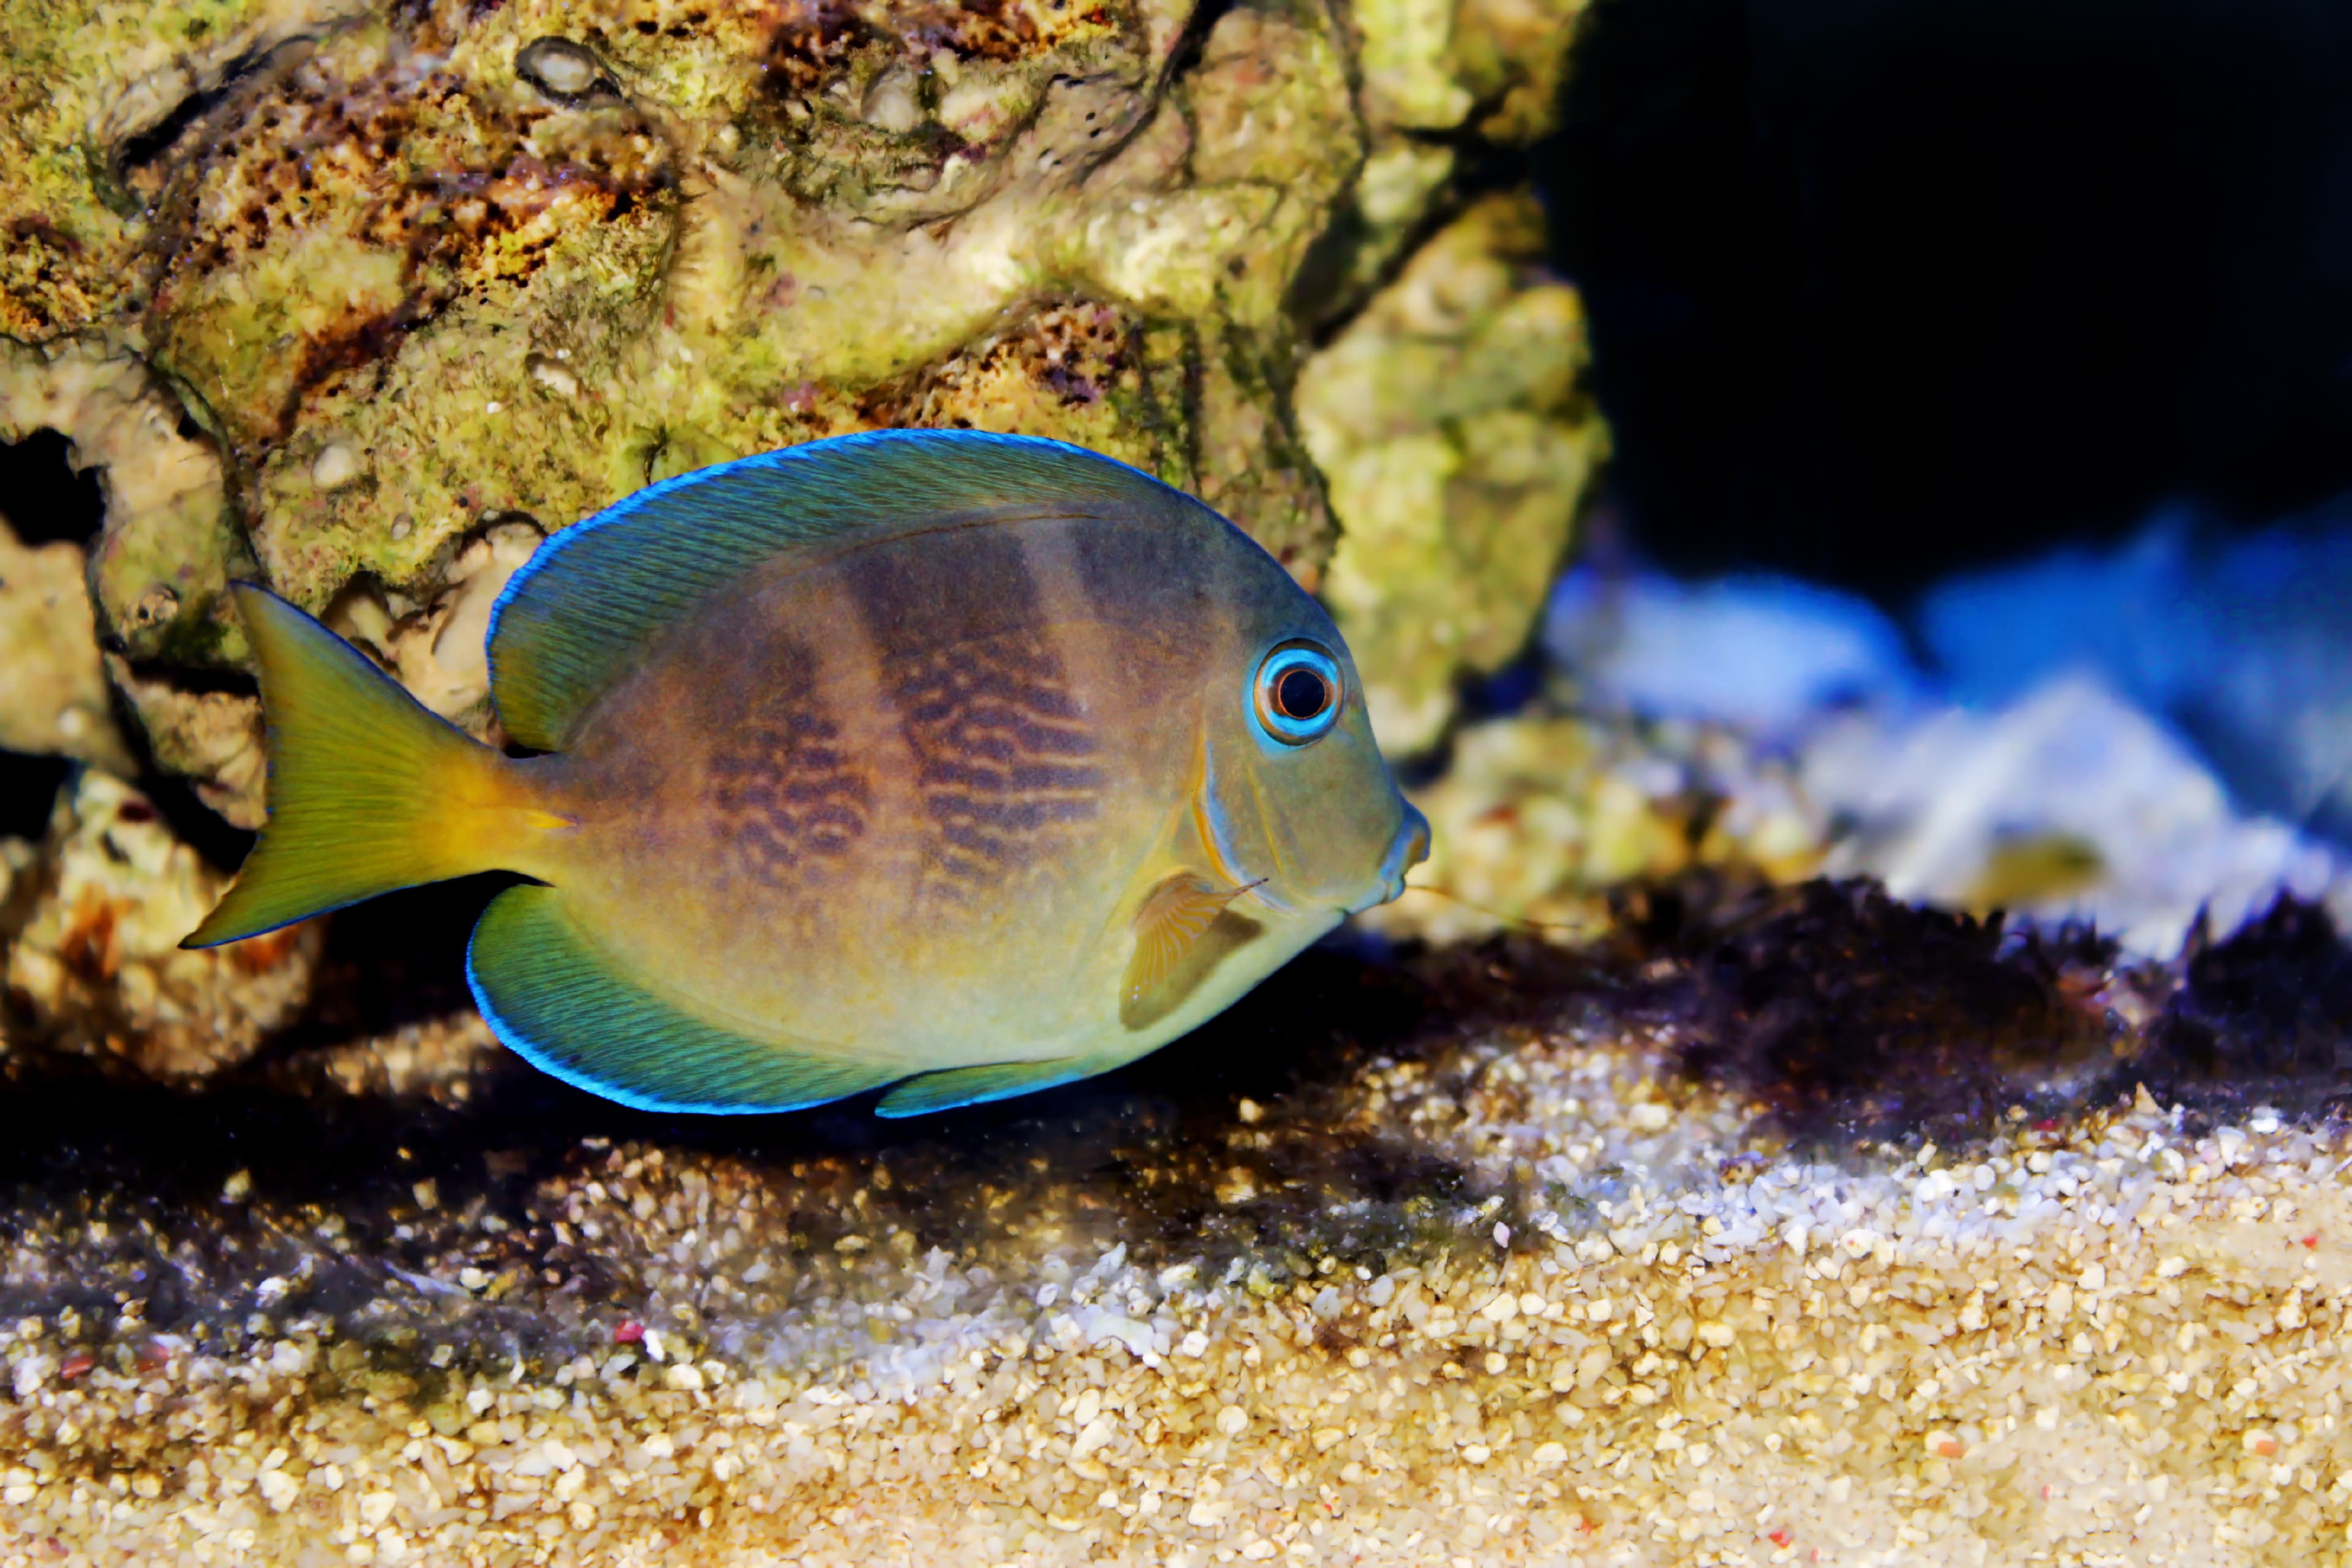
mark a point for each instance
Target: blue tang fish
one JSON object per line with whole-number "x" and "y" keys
{"x": 963, "y": 764}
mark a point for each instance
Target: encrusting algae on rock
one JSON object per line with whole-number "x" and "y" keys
{"x": 1448, "y": 421}
{"x": 1541, "y": 820}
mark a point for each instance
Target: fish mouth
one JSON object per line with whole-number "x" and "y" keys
{"x": 1409, "y": 848}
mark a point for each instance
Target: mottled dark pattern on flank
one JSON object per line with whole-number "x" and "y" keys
{"x": 1003, "y": 749}
{"x": 784, "y": 785}
{"x": 1147, "y": 573}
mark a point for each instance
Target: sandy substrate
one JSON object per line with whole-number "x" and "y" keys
{"x": 1420, "y": 1290}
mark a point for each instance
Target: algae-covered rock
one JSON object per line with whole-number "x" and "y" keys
{"x": 1448, "y": 421}
{"x": 418, "y": 286}
{"x": 95, "y": 967}
{"x": 210, "y": 736}
{"x": 156, "y": 578}
{"x": 1496, "y": 67}
{"x": 354, "y": 297}
{"x": 52, "y": 685}
{"x": 171, "y": 541}
{"x": 1539, "y": 818}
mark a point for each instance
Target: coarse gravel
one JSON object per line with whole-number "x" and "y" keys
{"x": 1370, "y": 1275}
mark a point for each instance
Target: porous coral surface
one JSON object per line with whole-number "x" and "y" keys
{"x": 1448, "y": 421}
{"x": 53, "y": 696}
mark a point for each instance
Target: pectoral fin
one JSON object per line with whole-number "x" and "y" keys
{"x": 1176, "y": 916}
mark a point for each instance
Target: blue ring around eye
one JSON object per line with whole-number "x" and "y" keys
{"x": 1279, "y": 715}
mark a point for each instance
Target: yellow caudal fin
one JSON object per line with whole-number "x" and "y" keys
{"x": 368, "y": 791}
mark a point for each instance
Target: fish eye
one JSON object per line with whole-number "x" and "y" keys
{"x": 1298, "y": 693}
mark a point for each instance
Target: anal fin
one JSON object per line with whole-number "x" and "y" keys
{"x": 955, "y": 1087}
{"x": 566, "y": 1006}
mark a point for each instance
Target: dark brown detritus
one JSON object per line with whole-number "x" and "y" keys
{"x": 2269, "y": 1008}
{"x": 817, "y": 42}
{"x": 813, "y": 45}
{"x": 1079, "y": 353}
{"x": 1843, "y": 1010}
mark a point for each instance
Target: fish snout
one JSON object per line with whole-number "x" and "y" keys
{"x": 1409, "y": 848}
{"x": 1415, "y": 836}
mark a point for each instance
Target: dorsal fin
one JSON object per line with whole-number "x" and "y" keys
{"x": 583, "y": 610}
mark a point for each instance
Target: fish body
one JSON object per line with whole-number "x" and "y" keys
{"x": 962, "y": 762}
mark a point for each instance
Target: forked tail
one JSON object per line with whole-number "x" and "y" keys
{"x": 368, "y": 791}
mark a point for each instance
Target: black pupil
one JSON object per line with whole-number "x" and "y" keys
{"x": 1301, "y": 694}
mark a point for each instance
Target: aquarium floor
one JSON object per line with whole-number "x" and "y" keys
{"x": 1455, "y": 1263}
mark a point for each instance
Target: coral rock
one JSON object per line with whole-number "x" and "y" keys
{"x": 1496, "y": 67}
{"x": 1542, "y": 817}
{"x": 169, "y": 544}
{"x": 1448, "y": 419}
{"x": 96, "y": 968}
{"x": 363, "y": 294}
{"x": 52, "y": 687}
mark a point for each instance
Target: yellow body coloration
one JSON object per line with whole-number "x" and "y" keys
{"x": 1022, "y": 767}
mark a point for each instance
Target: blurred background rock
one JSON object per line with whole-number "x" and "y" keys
{"x": 1979, "y": 379}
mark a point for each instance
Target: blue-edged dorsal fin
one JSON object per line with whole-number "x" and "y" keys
{"x": 563, "y": 1005}
{"x": 952, "y": 1088}
{"x": 583, "y": 610}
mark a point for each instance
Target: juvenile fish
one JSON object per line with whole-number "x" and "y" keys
{"x": 966, "y": 763}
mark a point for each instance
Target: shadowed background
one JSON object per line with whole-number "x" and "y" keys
{"x": 1881, "y": 290}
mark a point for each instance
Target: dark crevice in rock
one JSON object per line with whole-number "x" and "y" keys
{"x": 28, "y": 790}
{"x": 196, "y": 680}
{"x": 138, "y": 152}
{"x": 222, "y": 844}
{"x": 1185, "y": 57}
{"x": 43, "y": 497}
{"x": 1324, "y": 300}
